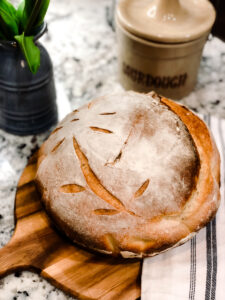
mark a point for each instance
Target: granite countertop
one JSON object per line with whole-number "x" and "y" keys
{"x": 82, "y": 44}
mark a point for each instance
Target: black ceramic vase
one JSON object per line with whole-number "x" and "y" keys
{"x": 27, "y": 101}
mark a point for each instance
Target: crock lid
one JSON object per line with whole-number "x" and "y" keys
{"x": 171, "y": 21}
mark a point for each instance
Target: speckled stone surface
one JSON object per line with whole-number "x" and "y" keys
{"x": 82, "y": 44}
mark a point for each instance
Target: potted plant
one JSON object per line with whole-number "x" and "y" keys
{"x": 27, "y": 89}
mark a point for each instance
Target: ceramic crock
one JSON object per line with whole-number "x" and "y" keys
{"x": 160, "y": 44}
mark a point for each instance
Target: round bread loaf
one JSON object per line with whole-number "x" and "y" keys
{"x": 130, "y": 174}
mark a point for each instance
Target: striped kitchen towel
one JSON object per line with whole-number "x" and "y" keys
{"x": 195, "y": 270}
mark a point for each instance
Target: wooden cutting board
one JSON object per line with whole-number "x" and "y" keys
{"x": 36, "y": 245}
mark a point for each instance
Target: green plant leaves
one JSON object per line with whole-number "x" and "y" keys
{"x": 30, "y": 51}
{"x": 21, "y": 25}
{"x": 8, "y": 7}
{"x": 8, "y": 19}
{"x": 20, "y": 12}
{"x": 42, "y": 12}
{"x": 33, "y": 14}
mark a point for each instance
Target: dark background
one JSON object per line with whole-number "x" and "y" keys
{"x": 219, "y": 26}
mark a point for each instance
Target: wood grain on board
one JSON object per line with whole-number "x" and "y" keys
{"x": 36, "y": 245}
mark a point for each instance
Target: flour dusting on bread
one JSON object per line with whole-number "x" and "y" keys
{"x": 116, "y": 165}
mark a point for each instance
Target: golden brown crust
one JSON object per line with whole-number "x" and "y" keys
{"x": 201, "y": 206}
{"x": 161, "y": 232}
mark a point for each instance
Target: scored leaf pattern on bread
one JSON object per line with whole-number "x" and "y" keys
{"x": 96, "y": 186}
{"x": 142, "y": 189}
{"x": 57, "y": 129}
{"x": 58, "y": 145}
{"x": 72, "y": 188}
{"x": 101, "y": 130}
{"x": 107, "y": 114}
{"x": 103, "y": 211}
{"x": 92, "y": 180}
